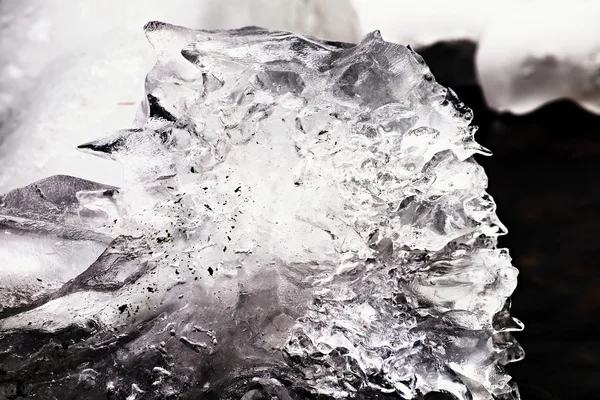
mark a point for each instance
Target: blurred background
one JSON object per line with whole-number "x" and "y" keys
{"x": 72, "y": 71}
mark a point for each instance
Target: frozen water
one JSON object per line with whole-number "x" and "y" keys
{"x": 299, "y": 219}
{"x": 43, "y": 244}
{"x": 67, "y": 69}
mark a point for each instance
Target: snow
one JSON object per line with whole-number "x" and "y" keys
{"x": 422, "y": 23}
{"x": 549, "y": 53}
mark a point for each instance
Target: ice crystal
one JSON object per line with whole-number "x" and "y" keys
{"x": 301, "y": 219}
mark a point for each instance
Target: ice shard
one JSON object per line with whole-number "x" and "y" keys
{"x": 301, "y": 219}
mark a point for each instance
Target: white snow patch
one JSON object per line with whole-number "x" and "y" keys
{"x": 542, "y": 54}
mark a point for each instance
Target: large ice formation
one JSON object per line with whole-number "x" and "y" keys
{"x": 300, "y": 219}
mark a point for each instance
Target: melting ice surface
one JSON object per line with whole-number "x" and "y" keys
{"x": 302, "y": 219}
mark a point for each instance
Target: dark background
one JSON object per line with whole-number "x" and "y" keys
{"x": 543, "y": 176}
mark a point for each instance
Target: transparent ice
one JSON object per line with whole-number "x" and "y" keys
{"x": 301, "y": 219}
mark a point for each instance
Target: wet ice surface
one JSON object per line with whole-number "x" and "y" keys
{"x": 300, "y": 218}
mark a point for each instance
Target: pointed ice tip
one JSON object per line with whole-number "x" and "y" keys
{"x": 167, "y": 39}
{"x": 108, "y": 146}
{"x": 371, "y": 37}
{"x": 97, "y": 149}
{"x": 484, "y": 151}
{"x": 153, "y": 26}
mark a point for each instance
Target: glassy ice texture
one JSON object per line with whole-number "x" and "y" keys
{"x": 301, "y": 219}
